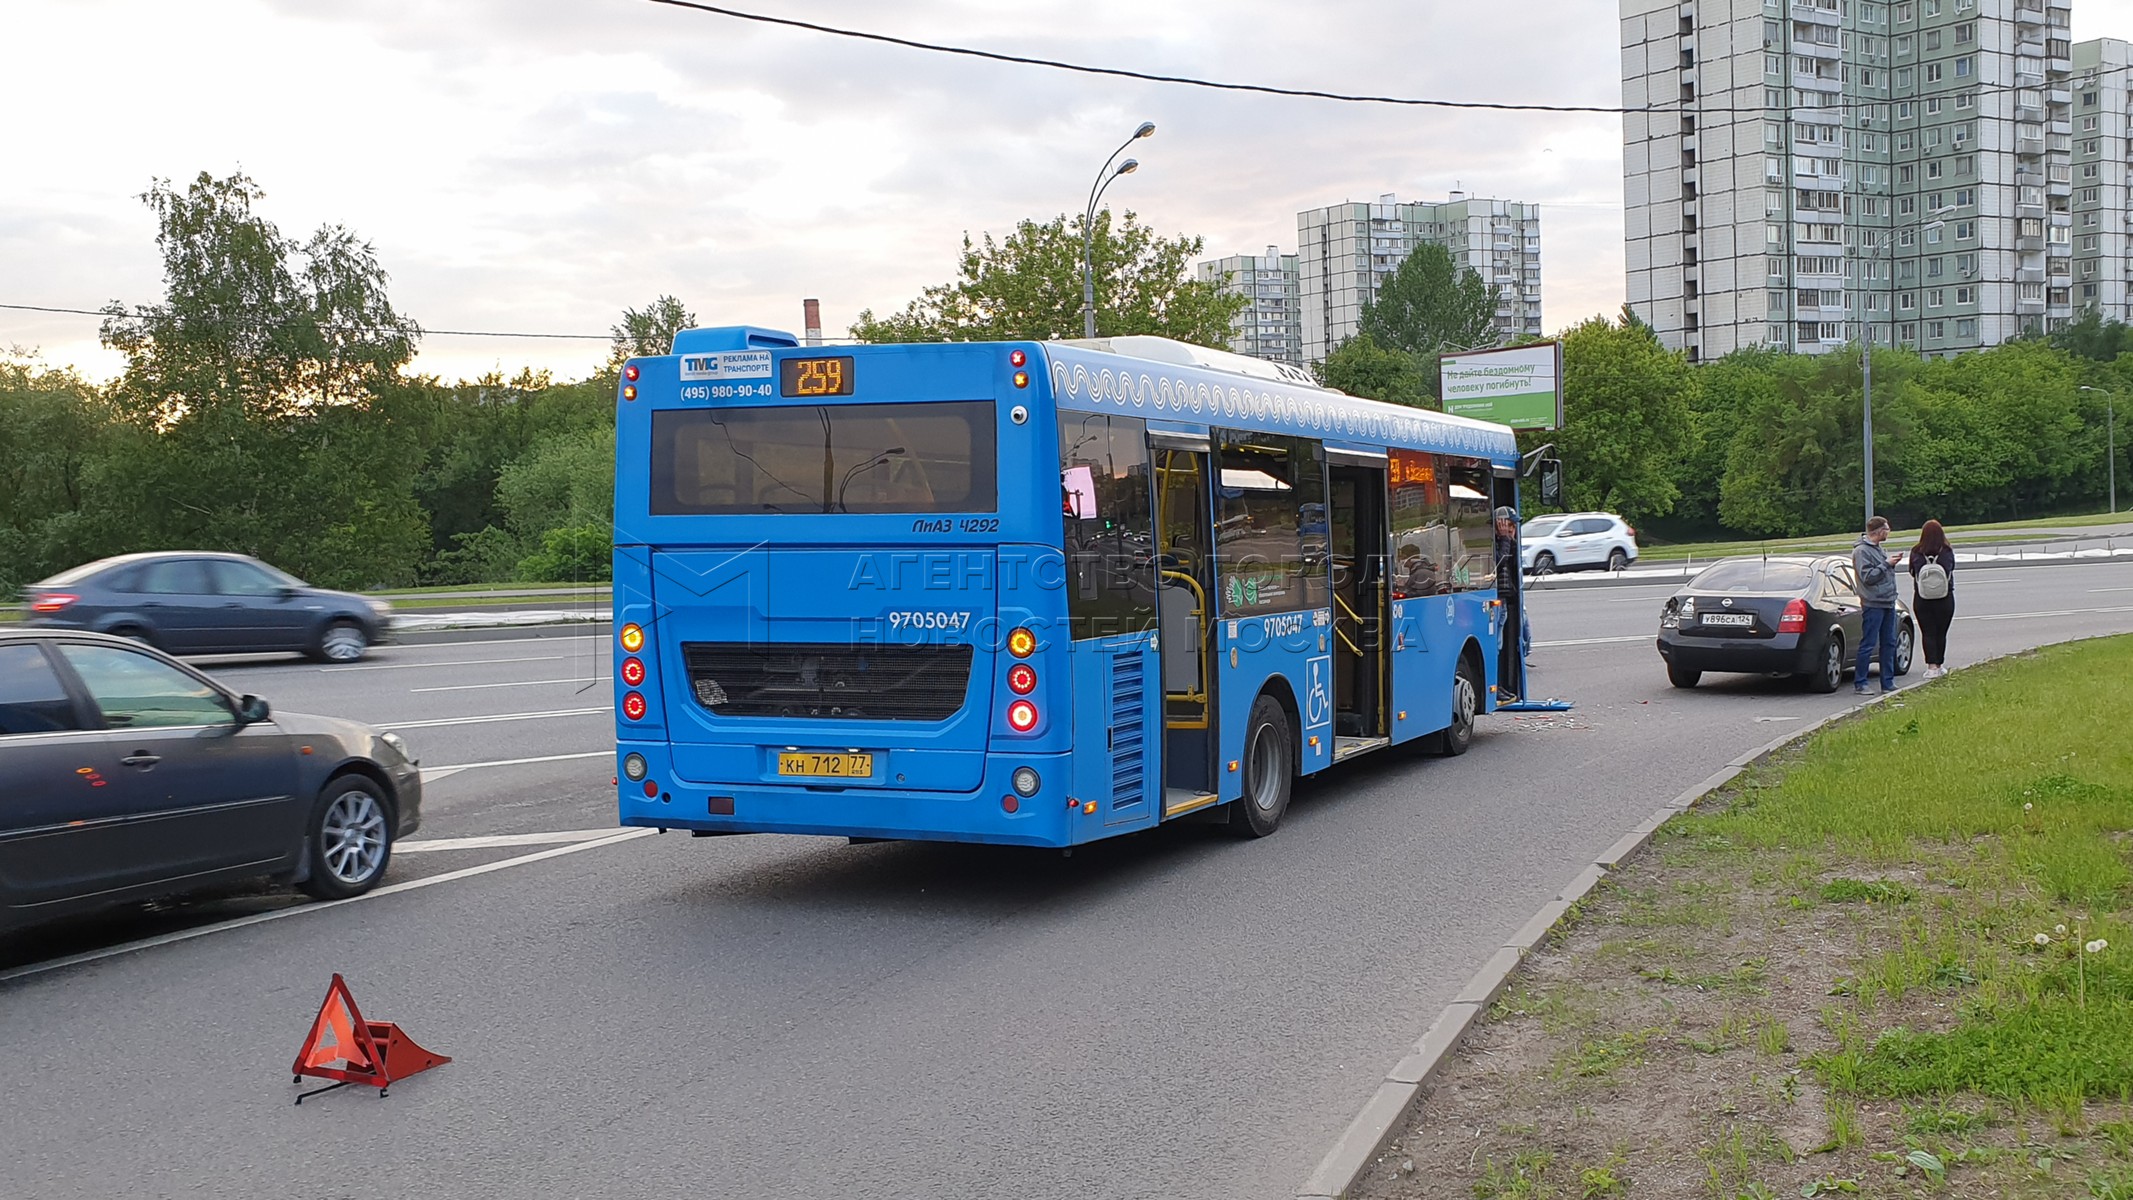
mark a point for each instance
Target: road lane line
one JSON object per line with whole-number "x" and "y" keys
{"x": 433, "y": 774}
{"x": 452, "y": 662}
{"x": 441, "y": 722}
{"x": 1598, "y": 641}
{"x": 494, "y": 840}
{"x": 2029, "y": 616}
{"x": 186, "y": 935}
{"x": 469, "y": 687}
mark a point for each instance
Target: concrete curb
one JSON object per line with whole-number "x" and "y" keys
{"x": 1399, "y": 1093}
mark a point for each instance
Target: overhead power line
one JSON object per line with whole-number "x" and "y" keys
{"x": 486, "y": 333}
{"x": 1683, "y": 107}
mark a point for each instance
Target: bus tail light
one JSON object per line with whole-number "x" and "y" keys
{"x": 1795, "y": 618}
{"x": 1021, "y": 716}
{"x": 633, "y": 706}
{"x": 1027, "y": 781}
{"x": 630, "y": 372}
{"x": 1017, "y": 358}
{"x": 634, "y": 766}
{"x": 1022, "y": 679}
{"x": 633, "y": 671}
{"x": 632, "y": 636}
{"x": 53, "y": 602}
{"x": 629, "y": 391}
{"x": 1022, "y": 379}
{"x": 1021, "y": 643}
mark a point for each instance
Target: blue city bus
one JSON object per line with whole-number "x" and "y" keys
{"x": 850, "y": 599}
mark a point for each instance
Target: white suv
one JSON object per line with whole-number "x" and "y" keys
{"x": 1561, "y": 541}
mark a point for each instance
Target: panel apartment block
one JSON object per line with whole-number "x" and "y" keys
{"x": 1271, "y": 325}
{"x": 1805, "y": 170}
{"x": 1345, "y": 251}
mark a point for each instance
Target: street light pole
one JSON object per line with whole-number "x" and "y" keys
{"x": 1866, "y": 346}
{"x": 2110, "y": 440}
{"x": 1088, "y": 220}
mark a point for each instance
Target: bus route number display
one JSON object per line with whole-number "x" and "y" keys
{"x": 815, "y": 377}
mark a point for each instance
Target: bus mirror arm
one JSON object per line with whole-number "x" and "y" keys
{"x": 1530, "y": 461}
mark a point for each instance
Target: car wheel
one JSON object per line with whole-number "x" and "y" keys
{"x": 1905, "y": 641}
{"x": 1543, "y": 563}
{"x": 1269, "y": 770}
{"x": 1617, "y": 559}
{"x": 1830, "y": 675}
{"x": 135, "y": 633}
{"x": 1458, "y": 737}
{"x": 351, "y": 839}
{"x": 343, "y": 642}
{"x": 1682, "y": 677}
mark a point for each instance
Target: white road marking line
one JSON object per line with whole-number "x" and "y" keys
{"x": 505, "y": 839}
{"x": 469, "y": 687}
{"x": 1598, "y": 641}
{"x": 457, "y": 662}
{"x": 433, "y": 774}
{"x": 525, "y": 716}
{"x": 185, "y": 935}
{"x": 2026, "y": 616}
{"x": 2123, "y": 589}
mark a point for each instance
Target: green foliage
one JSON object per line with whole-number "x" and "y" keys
{"x": 1030, "y": 286}
{"x": 649, "y": 330}
{"x": 56, "y": 432}
{"x": 1360, "y": 366}
{"x": 1871, "y": 891}
{"x": 1430, "y": 304}
{"x": 578, "y": 554}
{"x": 1626, "y": 404}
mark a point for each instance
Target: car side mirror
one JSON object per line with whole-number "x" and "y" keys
{"x": 286, "y": 592}
{"x": 251, "y": 710}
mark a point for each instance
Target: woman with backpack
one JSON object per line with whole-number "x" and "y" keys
{"x": 1933, "y": 593}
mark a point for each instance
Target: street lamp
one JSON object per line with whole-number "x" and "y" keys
{"x": 1866, "y": 346}
{"x": 1088, "y": 219}
{"x": 2110, "y": 436}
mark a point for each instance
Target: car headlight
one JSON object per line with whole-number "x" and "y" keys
{"x": 379, "y": 607}
{"x": 398, "y": 743}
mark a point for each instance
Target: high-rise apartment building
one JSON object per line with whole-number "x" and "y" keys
{"x": 2103, "y": 142}
{"x": 1270, "y": 326}
{"x": 1804, "y": 166}
{"x": 1345, "y": 251}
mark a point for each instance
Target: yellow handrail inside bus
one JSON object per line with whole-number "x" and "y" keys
{"x": 1196, "y": 696}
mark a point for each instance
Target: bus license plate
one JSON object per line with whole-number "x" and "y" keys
{"x": 814, "y": 765}
{"x": 1728, "y": 619}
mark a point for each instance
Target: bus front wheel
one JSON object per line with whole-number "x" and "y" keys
{"x": 1466, "y": 705}
{"x": 1269, "y": 770}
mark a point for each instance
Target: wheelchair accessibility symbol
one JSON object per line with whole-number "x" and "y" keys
{"x": 1318, "y": 706}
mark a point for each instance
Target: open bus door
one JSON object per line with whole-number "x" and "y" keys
{"x": 1185, "y": 563}
{"x": 1512, "y": 674}
{"x": 1360, "y": 535}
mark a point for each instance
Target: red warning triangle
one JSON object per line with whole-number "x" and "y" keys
{"x": 339, "y": 1043}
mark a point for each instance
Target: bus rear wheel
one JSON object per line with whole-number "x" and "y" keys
{"x": 1269, "y": 770}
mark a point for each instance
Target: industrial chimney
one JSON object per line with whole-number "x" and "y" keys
{"x": 811, "y": 322}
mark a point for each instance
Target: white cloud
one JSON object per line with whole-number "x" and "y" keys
{"x": 542, "y": 164}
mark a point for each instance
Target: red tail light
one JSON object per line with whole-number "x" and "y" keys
{"x": 1795, "y": 618}
{"x": 1022, "y": 679}
{"x": 633, "y": 706}
{"x": 1022, "y": 716}
{"x": 1632, "y": 529}
{"x": 52, "y": 603}
{"x": 632, "y": 671}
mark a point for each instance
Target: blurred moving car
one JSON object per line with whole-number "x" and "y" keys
{"x": 1562, "y": 541}
{"x": 1792, "y": 615}
{"x": 126, "y": 775}
{"x": 193, "y": 603}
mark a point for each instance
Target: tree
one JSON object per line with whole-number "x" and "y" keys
{"x": 1359, "y": 366}
{"x": 255, "y": 385}
{"x": 1429, "y": 305}
{"x": 1029, "y": 286}
{"x": 649, "y": 330}
{"x": 1626, "y": 418}
{"x": 2093, "y": 336}
{"x": 57, "y": 431}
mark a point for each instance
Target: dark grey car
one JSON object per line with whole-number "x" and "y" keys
{"x": 126, "y": 775}
{"x": 198, "y": 603}
{"x": 1780, "y": 615}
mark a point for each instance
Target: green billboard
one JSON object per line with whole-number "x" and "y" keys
{"x": 1520, "y": 386}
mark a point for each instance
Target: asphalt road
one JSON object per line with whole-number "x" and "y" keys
{"x": 1177, "y": 1014}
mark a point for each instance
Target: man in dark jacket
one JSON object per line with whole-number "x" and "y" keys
{"x": 1879, "y": 622}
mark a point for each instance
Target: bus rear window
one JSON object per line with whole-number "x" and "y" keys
{"x": 937, "y": 457}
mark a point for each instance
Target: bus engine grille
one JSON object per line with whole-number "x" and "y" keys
{"x": 842, "y": 682}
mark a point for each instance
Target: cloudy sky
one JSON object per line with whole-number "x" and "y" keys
{"x": 539, "y": 165}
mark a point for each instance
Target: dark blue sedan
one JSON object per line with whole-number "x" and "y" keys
{"x": 198, "y": 603}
